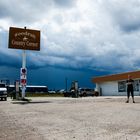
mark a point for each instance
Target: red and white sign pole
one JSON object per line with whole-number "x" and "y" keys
{"x": 23, "y": 74}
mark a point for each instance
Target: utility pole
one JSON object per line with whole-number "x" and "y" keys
{"x": 66, "y": 80}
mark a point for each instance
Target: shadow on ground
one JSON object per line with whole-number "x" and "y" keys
{"x": 30, "y": 102}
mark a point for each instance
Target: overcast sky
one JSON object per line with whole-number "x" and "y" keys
{"x": 78, "y": 37}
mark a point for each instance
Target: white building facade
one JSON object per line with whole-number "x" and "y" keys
{"x": 115, "y": 85}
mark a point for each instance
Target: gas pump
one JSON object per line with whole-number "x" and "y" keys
{"x": 74, "y": 89}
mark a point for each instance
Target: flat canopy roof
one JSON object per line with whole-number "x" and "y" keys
{"x": 116, "y": 77}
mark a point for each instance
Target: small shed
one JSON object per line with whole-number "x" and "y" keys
{"x": 115, "y": 85}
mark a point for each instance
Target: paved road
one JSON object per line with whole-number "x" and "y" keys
{"x": 89, "y": 118}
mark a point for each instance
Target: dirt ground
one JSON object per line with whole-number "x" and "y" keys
{"x": 89, "y": 118}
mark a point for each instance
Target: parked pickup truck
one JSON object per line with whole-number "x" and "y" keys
{"x": 84, "y": 92}
{"x": 3, "y": 92}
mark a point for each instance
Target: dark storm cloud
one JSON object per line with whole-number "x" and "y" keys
{"x": 10, "y": 60}
{"x": 8, "y": 57}
{"x": 6, "y": 60}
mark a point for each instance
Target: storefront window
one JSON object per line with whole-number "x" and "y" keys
{"x": 136, "y": 85}
{"x": 122, "y": 86}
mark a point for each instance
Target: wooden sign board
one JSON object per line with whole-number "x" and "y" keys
{"x": 24, "y": 39}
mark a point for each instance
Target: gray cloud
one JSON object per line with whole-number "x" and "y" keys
{"x": 23, "y": 12}
{"x": 30, "y": 11}
{"x": 125, "y": 14}
{"x": 91, "y": 34}
{"x": 64, "y": 3}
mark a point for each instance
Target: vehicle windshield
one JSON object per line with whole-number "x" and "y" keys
{"x": 86, "y": 89}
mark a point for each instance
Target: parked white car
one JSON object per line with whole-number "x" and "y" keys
{"x": 83, "y": 92}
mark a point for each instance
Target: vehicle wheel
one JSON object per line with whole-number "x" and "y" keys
{"x": 96, "y": 93}
{"x": 5, "y": 98}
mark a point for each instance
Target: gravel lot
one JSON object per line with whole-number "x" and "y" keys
{"x": 89, "y": 118}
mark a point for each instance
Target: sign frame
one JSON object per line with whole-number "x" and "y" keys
{"x": 25, "y": 39}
